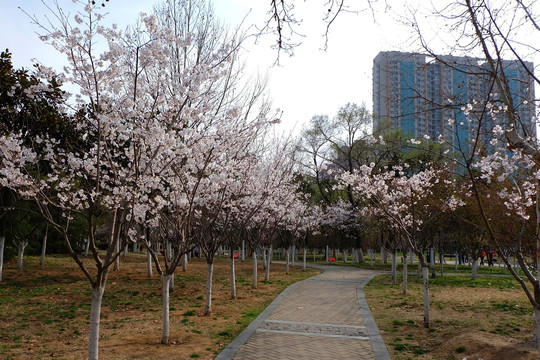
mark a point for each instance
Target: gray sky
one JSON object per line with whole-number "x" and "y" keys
{"x": 312, "y": 82}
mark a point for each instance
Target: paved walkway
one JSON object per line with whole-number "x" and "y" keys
{"x": 324, "y": 317}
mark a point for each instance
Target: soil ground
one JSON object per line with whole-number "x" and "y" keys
{"x": 488, "y": 318}
{"x": 45, "y": 313}
{"x": 45, "y": 310}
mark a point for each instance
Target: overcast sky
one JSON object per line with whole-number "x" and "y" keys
{"x": 312, "y": 82}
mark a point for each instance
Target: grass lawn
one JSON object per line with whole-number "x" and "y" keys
{"x": 45, "y": 311}
{"x": 488, "y": 318}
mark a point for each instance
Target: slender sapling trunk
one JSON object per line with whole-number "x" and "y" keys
{"x": 166, "y": 279}
{"x": 268, "y": 261}
{"x": 404, "y": 273}
{"x": 287, "y": 262}
{"x": 425, "y": 276}
{"x": 209, "y": 275}
{"x": 394, "y": 268}
{"x": 148, "y": 263}
{"x": 2, "y": 244}
{"x": 233, "y": 276}
{"x": 44, "y": 247}
{"x": 95, "y": 313}
{"x": 254, "y": 283}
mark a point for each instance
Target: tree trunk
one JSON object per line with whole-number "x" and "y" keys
{"x": 148, "y": 263}
{"x": 265, "y": 251}
{"x": 293, "y": 257}
{"x": 87, "y": 247}
{"x": 21, "y": 245}
{"x": 456, "y": 262}
{"x": 305, "y": 255}
{"x": 537, "y": 329}
{"x": 166, "y": 278}
{"x": 432, "y": 262}
{"x": 95, "y": 312}
{"x": 361, "y": 258}
{"x": 327, "y": 255}
{"x": 474, "y": 269}
{"x": 168, "y": 250}
{"x": 125, "y": 252}
{"x": 314, "y": 255}
{"x": 171, "y": 283}
{"x": 383, "y": 256}
{"x": 441, "y": 260}
{"x": 185, "y": 262}
{"x": 411, "y": 256}
{"x": 287, "y": 262}
{"x": 243, "y": 250}
{"x": 269, "y": 258}
{"x": 209, "y": 275}
{"x": 44, "y": 247}
{"x": 233, "y": 276}
{"x": 117, "y": 260}
{"x": 2, "y": 243}
{"x": 344, "y": 255}
{"x": 425, "y": 276}
{"x": 371, "y": 257}
{"x": 254, "y": 282}
{"x": 394, "y": 268}
{"x": 404, "y": 273}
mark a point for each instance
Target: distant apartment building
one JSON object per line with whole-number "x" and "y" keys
{"x": 418, "y": 94}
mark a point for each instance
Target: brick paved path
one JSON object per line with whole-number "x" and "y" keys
{"x": 324, "y": 317}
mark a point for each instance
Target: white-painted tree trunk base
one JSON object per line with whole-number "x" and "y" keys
{"x": 425, "y": 278}
{"x": 2, "y": 244}
{"x": 537, "y": 329}
{"x": 20, "y": 245}
{"x": 87, "y": 246}
{"x": 209, "y": 275}
{"x": 361, "y": 255}
{"x": 268, "y": 262}
{"x": 44, "y": 248}
{"x": 233, "y": 277}
{"x": 287, "y": 262}
{"x": 184, "y": 262}
{"x": 394, "y": 268}
{"x": 474, "y": 269}
{"x": 404, "y": 274}
{"x": 254, "y": 282}
{"x": 95, "y": 313}
{"x": 166, "y": 279}
{"x": 148, "y": 264}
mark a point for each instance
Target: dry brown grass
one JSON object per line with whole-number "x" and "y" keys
{"x": 45, "y": 311}
{"x": 489, "y": 318}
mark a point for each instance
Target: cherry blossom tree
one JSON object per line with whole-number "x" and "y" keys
{"x": 132, "y": 117}
{"x": 400, "y": 199}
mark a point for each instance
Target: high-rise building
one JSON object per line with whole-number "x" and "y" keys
{"x": 422, "y": 95}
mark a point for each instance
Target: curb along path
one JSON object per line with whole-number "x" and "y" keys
{"x": 326, "y": 316}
